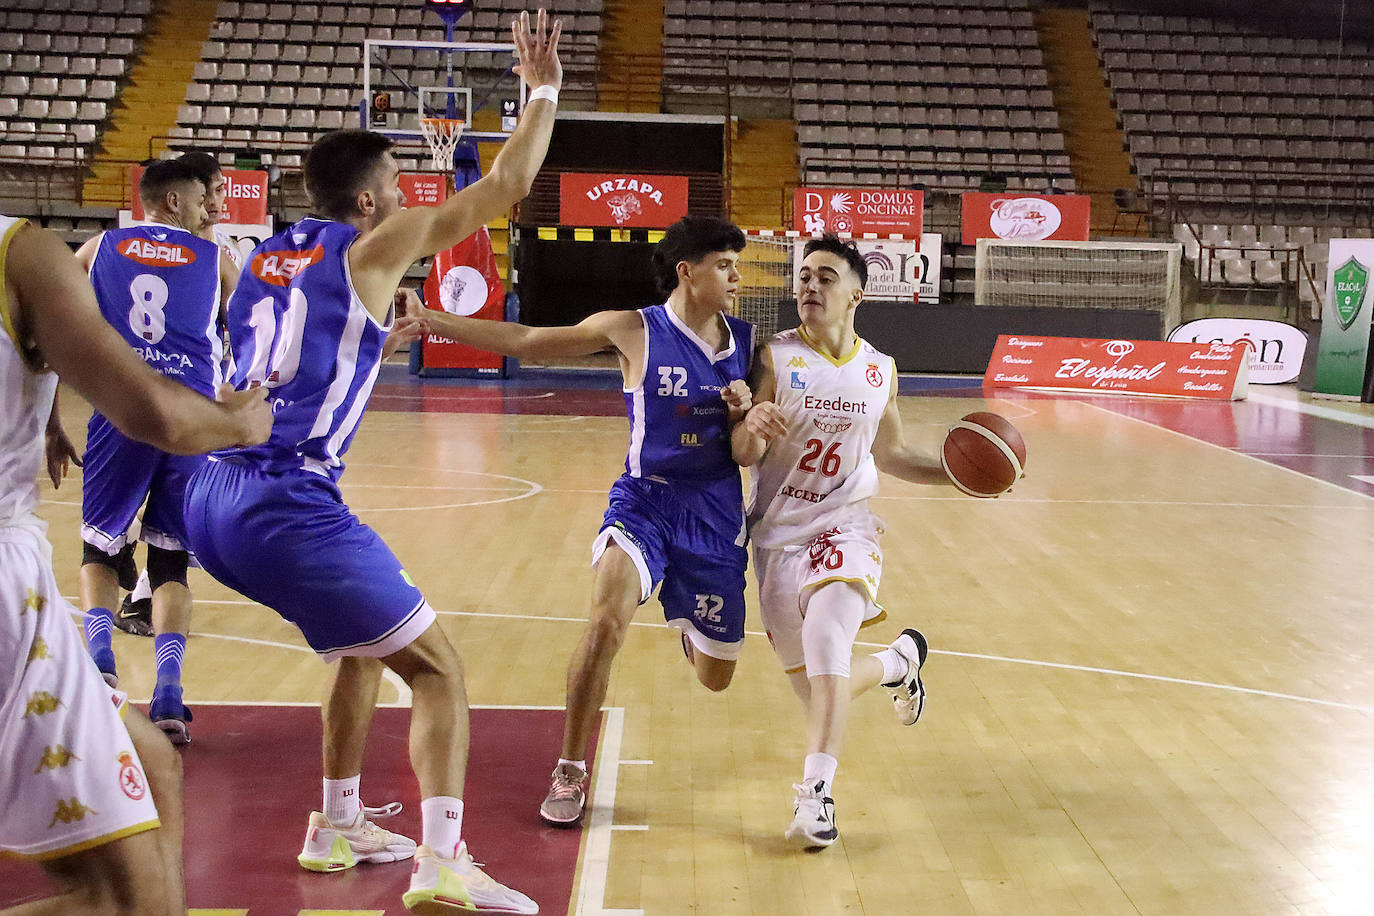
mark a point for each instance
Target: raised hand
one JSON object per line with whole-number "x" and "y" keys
{"x": 538, "y": 50}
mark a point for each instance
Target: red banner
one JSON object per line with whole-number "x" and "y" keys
{"x": 1189, "y": 370}
{"x": 1025, "y": 217}
{"x": 464, "y": 281}
{"x": 245, "y": 198}
{"x": 423, "y": 189}
{"x": 622, "y": 201}
{"x": 884, "y": 211}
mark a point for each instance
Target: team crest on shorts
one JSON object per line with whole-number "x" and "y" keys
{"x": 131, "y": 779}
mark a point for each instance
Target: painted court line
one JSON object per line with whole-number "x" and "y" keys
{"x": 596, "y": 857}
{"x": 1087, "y": 669}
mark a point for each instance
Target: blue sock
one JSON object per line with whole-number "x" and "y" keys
{"x": 99, "y": 623}
{"x": 169, "y": 649}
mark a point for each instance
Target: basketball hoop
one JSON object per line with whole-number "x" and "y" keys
{"x": 442, "y": 134}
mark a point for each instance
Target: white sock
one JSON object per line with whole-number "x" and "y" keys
{"x": 441, "y": 824}
{"x": 894, "y": 666}
{"x": 342, "y": 803}
{"x": 143, "y": 589}
{"x": 580, "y": 764}
{"x": 819, "y": 766}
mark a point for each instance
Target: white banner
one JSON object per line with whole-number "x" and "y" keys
{"x": 1276, "y": 349}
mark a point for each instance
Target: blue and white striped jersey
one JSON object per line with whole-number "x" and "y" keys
{"x": 158, "y": 286}
{"x": 297, "y": 328}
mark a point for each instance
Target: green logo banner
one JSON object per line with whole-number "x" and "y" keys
{"x": 1351, "y": 282}
{"x": 1344, "y": 347}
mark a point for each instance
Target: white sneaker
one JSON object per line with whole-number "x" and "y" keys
{"x": 440, "y": 886}
{"x": 910, "y": 698}
{"x": 331, "y": 848}
{"x": 813, "y": 821}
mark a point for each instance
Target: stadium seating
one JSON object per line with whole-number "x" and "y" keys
{"x": 62, "y": 73}
{"x": 272, "y": 76}
{"x": 1215, "y": 113}
{"x": 937, "y": 94}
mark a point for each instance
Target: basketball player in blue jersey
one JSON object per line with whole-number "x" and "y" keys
{"x": 676, "y": 516}
{"x": 823, "y": 422}
{"x": 135, "y": 614}
{"x": 162, "y": 287}
{"x": 91, "y": 789}
{"x": 309, "y": 322}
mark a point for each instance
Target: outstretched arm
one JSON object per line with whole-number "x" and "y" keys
{"x": 895, "y": 457}
{"x": 592, "y": 334}
{"x": 763, "y": 422}
{"x": 380, "y": 258}
{"x": 54, "y": 306}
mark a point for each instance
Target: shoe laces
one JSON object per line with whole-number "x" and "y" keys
{"x": 566, "y": 786}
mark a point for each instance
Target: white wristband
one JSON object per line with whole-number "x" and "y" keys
{"x": 545, "y": 92}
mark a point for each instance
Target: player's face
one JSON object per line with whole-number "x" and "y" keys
{"x": 826, "y": 288}
{"x": 386, "y": 190}
{"x": 214, "y": 197}
{"x": 190, "y": 206}
{"x": 715, "y": 279}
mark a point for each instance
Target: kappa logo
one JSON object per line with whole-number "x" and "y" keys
{"x": 156, "y": 254}
{"x": 70, "y": 810}
{"x": 797, "y": 362}
{"x": 41, "y": 703}
{"x": 279, "y": 268}
{"x": 55, "y": 758}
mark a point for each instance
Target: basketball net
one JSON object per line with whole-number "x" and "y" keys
{"x": 442, "y": 135}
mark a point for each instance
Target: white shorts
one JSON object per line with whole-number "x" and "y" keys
{"x": 848, "y": 553}
{"x": 72, "y": 778}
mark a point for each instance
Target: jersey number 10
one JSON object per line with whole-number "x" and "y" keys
{"x": 274, "y": 366}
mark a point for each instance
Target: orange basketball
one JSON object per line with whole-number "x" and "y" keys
{"x": 984, "y": 454}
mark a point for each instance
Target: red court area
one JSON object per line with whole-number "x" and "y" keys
{"x": 253, "y": 775}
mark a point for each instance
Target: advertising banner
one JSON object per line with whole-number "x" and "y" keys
{"x": 897, "y": 268}
{"x": 885, "y": 211}
{"x": 423, "y": 189}
{"x": 1025, "y": 217}
{"x": 245, "y": 199}
{"x": 1201, "y": 370}
{"x": 1344, "y": 346}
{"x": 1275, "y": 349}
{"x": 464, "y": 281}
{"x": 622, "y": 201}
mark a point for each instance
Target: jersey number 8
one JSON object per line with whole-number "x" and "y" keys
{"x": 147, "y": 318}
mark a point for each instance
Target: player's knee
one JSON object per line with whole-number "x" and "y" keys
{"x": 166, "y": 566}
{"x": 606, "y": 633}
{"x": 117, "y": 563}
{"x": 716, "y": 677}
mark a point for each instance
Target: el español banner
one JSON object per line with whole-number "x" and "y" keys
{"x": 1187, "y": 370}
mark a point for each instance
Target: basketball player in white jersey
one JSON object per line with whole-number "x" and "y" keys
{"x": 83, "y": 768}
{"x": 824, "y": 421}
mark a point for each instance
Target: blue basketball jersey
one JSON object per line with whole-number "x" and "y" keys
{"x": 679, "y": 427}
{"x": 297, "y": 328}
{"x": 159, "y": 287}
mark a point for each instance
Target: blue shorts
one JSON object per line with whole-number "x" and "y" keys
{"x": 701, "y": 568}
{"x": 119, "y": 475}
{"x": 288, "y": 541}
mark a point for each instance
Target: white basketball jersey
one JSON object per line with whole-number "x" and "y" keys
{"x": 27, "y": 390}
{"x": 812, "y": 479}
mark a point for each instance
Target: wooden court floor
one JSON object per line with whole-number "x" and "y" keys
{"x": 1150, "y": 685}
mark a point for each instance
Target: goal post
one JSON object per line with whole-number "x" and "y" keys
{"x": 1103, "y": 274}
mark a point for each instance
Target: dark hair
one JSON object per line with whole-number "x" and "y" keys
{"x": 690, "y": 239}
{"x": 848, "y": 251}
{"x": 340, "y": 165}
{"x": 204, "y": 164}
{"x": 163, "y": 176}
